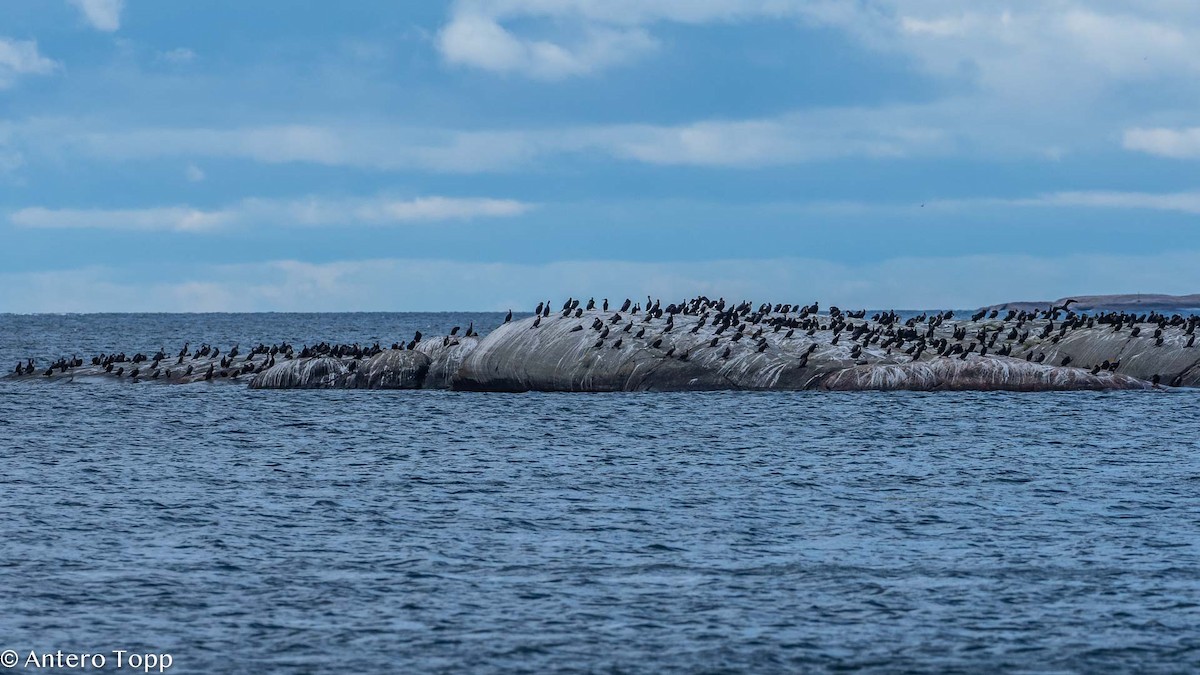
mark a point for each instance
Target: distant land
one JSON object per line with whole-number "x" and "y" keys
{"x": 1128, "y": 302}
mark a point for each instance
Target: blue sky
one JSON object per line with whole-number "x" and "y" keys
{"x": 482, "y": 154}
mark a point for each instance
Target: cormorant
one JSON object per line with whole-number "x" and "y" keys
{"x": 1063, "y": 306}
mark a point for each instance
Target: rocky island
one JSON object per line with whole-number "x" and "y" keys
{"x": 711, "y": 344}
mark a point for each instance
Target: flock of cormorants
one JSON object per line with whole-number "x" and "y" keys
{"x": 915, "y": 336}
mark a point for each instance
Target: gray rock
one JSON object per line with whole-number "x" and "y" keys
{"x": 446, "y": 356}
{"x": 316, "y": 373}
{"x": 554, "y": 357}
{"x": 391, "y": 369}
{"x": 975, "y": 374}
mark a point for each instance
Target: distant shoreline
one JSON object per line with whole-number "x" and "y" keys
{"x": 1125, "y": 302}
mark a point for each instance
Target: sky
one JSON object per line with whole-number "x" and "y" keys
{"x": 299, "y": 155}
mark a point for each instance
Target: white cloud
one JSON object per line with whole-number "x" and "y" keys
{"x": 789, "y": 139}
{"x": 437, "y": 285}
{"x": 481, "y": 42}
{"x": 103, "y": 15}
{"x": 1181, "y": 202}
{"x": 178, "y": 56}
{"x": 194, "y": 174}
{"x": 1184, "y": 202}
{"x": 1174, "y": 143}
{"x": 592, "y": 35}
{"x": 21, "y": 57}
{"x": 177, "y": 218}
{"x": 310, "y": 212}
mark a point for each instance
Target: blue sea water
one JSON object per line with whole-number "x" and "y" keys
{"x": 425, "y": 531}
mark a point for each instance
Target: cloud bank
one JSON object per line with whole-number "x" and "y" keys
{"x": 307, "y": 212}
{"x": 421, "y": 285}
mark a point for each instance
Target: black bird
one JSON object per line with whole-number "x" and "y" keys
{"x": 617, "y": 344}
{"x": 509, "y": 317}
{"x": 726, "y": 354}
{"x": 1065, "y": 360}
{"x": 658, "y": 343}
{"x": 577, "y": 329}
{"x": 1064, "y": 306}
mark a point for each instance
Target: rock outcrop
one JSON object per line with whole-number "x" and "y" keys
{"x": 702, "y": 345}
{"x": 568, "y": 354}
{"x": 314, "y": 373}
{"x": 975, "y": 374}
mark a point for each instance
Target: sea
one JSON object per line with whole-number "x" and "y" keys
{"x": 245, "y": 531}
